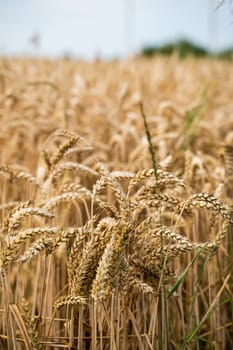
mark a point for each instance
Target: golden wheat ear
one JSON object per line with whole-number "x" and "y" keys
{"x": 228, "y": 158}
{"x": 108, "y": 272}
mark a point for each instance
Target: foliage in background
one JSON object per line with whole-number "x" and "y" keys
{"x": 184, "y": 49}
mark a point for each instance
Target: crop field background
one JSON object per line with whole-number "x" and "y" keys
{"x": 116, "y": 204}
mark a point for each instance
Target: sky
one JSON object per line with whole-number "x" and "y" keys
{"x": 110, "y": 28}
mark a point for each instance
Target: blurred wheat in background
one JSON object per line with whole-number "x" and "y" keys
{"x": 106, "y": 243}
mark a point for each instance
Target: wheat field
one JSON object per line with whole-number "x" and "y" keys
{"x": 116, "y": 204}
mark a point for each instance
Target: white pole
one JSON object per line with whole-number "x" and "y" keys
{"x": 212, "y": 38}
{"x": 129, "y": 15}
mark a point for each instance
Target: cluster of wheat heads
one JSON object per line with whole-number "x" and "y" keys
{"x": 97, "y": 252}
{"x": 117, "y": 235}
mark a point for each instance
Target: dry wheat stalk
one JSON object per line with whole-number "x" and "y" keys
{"x": 19, "y": 175}
{"x": 13, "y": 243}
{"x": 107, "y": 274}
{"x": 62, "y": 168}
{"x": 16, "y": 217}
{"x": 31, "y": 325}
{"x": 208, "y": 201}
{"x": 53, "y": 202}
{"x": 164, "y": 178}
{"x": 70, "y": 300}
{"x": 65, "y": 147}
{"x": 87, "y": 261}
{"x": 228, "y": 153}
{"x": 82, "y": 236}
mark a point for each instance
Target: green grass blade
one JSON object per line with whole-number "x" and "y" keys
{"x": 184, "y": 273}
